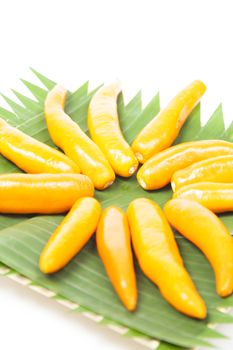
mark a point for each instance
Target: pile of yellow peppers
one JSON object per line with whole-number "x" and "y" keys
{"x": 200, "y": 173}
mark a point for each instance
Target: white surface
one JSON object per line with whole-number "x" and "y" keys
{"x": 147, "y": 44}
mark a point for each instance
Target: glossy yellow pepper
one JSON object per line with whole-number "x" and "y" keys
{"x": 158, "y": 170}
{"x": 71, "y": 235}
{"x": 159, "y": 257}
{"x": 218, "y": 197}
{"x": 67, "y": 135}
{"x": 31, "y": 155}
{"x": 203, "y": 228}
{"x": 105, "y": 130}
{"x": 217, "y": 169}
{"x": 42, "y": 193}
{"x": 162, "y": 131}
{"x": 114, "y": 247}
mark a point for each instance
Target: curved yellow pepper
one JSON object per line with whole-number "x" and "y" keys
{"x": 217, "y": 169}
{"x": 114, "y": 247}
{"x": 42, "y": 193}
{"x": 71, "y": 235}
{"x": 105, "y": 130}
{"x": 162, "y": 131}
{"x": 31, "y": 155}
{"x": 218, "y": 197}
{"x": 68, "y": 136}
{"x": 158, "y": 170}
{"x": 203, "y": 228}
{"x": 159, "y": 257}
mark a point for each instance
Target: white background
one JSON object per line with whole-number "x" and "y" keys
{"x": 153, "y": 45}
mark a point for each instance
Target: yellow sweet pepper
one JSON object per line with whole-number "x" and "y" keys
{"x": 67, "y": 135}
{"x": 217, "y": 169}
{"x": 158, "y": 170}
{"x": 42, "y": 193}
{"x": 216, "y": 196}
{"x": 114, "y": 247}
{"x": 202, "y": 227}
{"x": 71, "y": 235}
{"x": 105, "y": 130}
{"x": 159, "y": 257}
{"x": 162, "y": 131}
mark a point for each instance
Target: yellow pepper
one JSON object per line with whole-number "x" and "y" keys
{"x": 67, "y": 135}
{"x": 71, "y": 235}
{"x": 217, "y": 169}
{"x": 42, "y": 193}
{"x": 218, "y": 197}
{"x": 105, "y": 130}
{"x": 113, "y": 243}
{"x": 162, "y": 131}
{"x": 31, "y": 155}
{"x": 158, "y": 170}
{"x": 159, "y": 257}
{"x": 203, "y": 228}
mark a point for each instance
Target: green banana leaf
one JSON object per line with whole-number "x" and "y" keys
{"x": 83, "y": 282}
